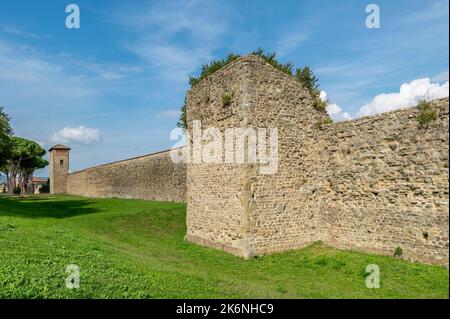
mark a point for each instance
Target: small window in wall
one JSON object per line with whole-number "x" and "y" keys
{"x": 61, "y": 162}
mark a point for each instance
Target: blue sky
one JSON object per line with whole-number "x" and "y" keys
{"x": 122, "y": 76}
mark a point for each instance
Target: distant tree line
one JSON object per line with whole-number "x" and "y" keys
{"x": 19, "y": 157}
{"x": 303, "y": 75}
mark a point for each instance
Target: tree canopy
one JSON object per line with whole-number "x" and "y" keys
{"x": 24, "y": 157}
{"x": 5, "y": 133}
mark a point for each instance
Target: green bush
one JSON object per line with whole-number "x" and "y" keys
{"x": 303, "y": 75}
{"x": 427, "y": 114}
{"x": 271, "y": 59}
{"x": 226, "y": 100}
{"x": 306, "y": 77}
{"x": 212, "y": 67}
{"x": 325, "y": 121}
{"x": 16, "y": 190}
{"x": 398, "y": 252}
{"x": 46, "y": 187}
{"x": 320, "y": 105}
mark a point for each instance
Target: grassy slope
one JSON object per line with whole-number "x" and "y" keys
{"x": 132, "y": 248}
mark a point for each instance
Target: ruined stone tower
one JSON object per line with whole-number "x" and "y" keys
{"x": 233, "y": 206}
{"x": 59, "y": 168}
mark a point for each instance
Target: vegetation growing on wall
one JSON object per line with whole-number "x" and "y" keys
{"x": 226, "y": 100}
{"x": 182, "y": 121}
{"x": 319, "y": 104}
{"x": 427, "y": 114}
{"x": 325, "y": 121}
{"x": 211, "y": 68}
{"x": 303, "y": 75}
{"x": 306, "y": 77}
{"x": 398, "y": 252}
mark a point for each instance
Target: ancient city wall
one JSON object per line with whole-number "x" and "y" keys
{"x": 387, "y": 184}
{"x": 151, "y": 177}
{"x": 214, "y": 206}
{"x": 284, "y": 212}
{"x": 234, "y": 206}
{"x": 372, "y": 184}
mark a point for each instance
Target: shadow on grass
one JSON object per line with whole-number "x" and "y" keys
{"x": 36, "y": 207}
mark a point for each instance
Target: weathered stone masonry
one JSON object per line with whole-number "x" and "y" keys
{"x": 59, "y": 166}
{"x": 151, "y": 177}
{"x": 387, "y": 185}
{"x": 372, "y": 184}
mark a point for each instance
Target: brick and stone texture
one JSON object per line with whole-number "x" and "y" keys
{"x": 372, "y": 184}
{"x": 59, "y": 169}
{"x": 150, "y": 177}
{"x": 233, "y": 206}
{"x": 387, "y": 185}
{"x": 215, "y": 192}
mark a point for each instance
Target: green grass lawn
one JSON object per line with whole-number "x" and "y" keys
{"x": 135, "y": 249}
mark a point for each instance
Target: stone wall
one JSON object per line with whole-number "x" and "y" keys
{"x": 387, "y": 184}
{"x": 214, "y": 209}
{"x": 284, "y": 214}
{"x": 151, "y": 177}
{"x": 233, "y": 206}
{"x": 373, "y": 184}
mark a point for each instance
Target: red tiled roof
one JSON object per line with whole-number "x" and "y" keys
{"x": 59, "y": 147}
{"x": 39, "y": 180}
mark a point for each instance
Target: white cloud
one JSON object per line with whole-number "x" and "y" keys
{"x": 334, "y": 110}
{"x": 80, "y": 134}
{"x": 408, "y": 95}
{"x": 323, "y": 96}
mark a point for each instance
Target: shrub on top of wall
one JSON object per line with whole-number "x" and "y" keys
{"x": 303, "y": 75}
{"x": 212, "y": 67}
{"x": 320, "y": 105}
{"x": 326, "y": 121}
{"x": 427, "y": 114}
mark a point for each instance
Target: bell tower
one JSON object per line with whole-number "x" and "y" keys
{"x": 59, "y": 168}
